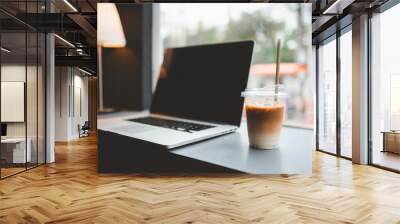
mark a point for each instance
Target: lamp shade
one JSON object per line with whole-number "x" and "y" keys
{"x": 110, "y": 33}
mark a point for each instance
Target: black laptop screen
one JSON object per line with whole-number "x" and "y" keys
{"x": 204, "y": 82}
{"x": 3, "y": 129}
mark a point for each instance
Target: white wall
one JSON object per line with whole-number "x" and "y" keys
{"x": 71, "y": 102}
{"x": 62, "y": 82}
{"x": 80, "y": 111}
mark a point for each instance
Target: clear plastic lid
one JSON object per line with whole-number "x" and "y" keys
{"x": 268, "y": 91}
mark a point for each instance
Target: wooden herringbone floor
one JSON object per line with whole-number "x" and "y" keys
{"x": 71, "y": 191}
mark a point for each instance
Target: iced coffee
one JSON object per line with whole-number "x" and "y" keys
{"x": 265, "y": 112}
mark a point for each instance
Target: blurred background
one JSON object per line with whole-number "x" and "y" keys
{"x": 193, "y": 24}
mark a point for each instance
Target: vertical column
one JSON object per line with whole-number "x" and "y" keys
{"x": 50, "y": 99}
{"x": 50, "y": 92}
{"x": 360, "y": 90}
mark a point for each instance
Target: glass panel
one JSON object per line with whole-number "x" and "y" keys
{"x": 327, "y": 97}
{"x": 13, "y": 86}
{"x": 185, "y": 24}
{"x": 34, "y": 50}
{"x": 22, "y": 90}
{"x": 31, "y": 98}
{"x": 41, "y": 8}
{"x": 385, "y": 86}
{"x": 346, "y": 94}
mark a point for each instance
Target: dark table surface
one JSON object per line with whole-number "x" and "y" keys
{"x": 232, "y": 150}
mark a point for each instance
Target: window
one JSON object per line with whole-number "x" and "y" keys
{"x": 327, "y": 97}
{"x": 192, "y": 24}
{"x": 346, "y": 94}
{"x": 385, "y": 89}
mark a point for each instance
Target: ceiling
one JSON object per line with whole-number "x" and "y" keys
{"x": 330, "y": 15}
{"x": 75, "y": 21}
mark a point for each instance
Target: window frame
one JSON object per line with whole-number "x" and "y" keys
{"x": 333, "y": 37}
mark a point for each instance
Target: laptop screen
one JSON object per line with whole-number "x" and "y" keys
{"x": 3, "y": 129}
{"x": 204, "y": 82}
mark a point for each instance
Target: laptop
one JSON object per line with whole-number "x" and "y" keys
{"x": 197, "y": 95}
{"x": 3, "y": 131}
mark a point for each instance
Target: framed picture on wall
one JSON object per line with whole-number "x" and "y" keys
{"x": 12, "y": 101}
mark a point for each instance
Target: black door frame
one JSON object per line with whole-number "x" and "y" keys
{"x": 340, "y": 30}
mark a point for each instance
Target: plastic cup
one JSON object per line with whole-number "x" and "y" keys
{"x": 265, "y": 111}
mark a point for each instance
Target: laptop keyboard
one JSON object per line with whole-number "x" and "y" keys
{"x": 172, "y": 124}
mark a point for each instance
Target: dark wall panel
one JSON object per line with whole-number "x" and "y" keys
{"x": 127, "y": 71}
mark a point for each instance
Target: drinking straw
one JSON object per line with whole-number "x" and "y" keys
{"x": 277, "y": 64}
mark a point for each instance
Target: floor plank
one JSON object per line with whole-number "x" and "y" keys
{"x": 71, "y": 191}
